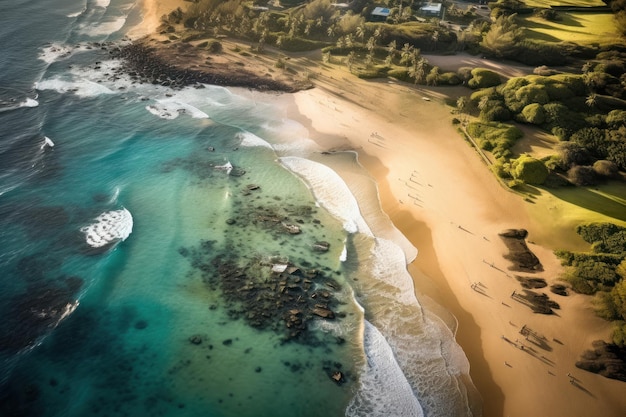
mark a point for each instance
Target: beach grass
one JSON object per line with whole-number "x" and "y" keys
{"x": 578, "y": 27}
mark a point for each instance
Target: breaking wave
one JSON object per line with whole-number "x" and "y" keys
{"x": 109, "y": 227}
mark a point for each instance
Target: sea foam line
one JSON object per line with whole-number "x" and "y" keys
{"x": 330, "y": 191}
{"x": 384, "y": 390}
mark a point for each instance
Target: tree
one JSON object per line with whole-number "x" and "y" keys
{"x": 405, "y": 54}
{"x": 592, "y": 100}
{"x": 572, "y": 153}
{"x": 503, "y": 37}
{"x": 433, "y": 76}
{"x": 350, "y": 60}
{"x": 462, "y": 104}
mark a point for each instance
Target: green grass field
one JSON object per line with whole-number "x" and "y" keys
{"x": 559, "y": 210}
{"x": 577, "y": 27}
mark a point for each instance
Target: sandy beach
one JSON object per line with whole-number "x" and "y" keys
{"x": 437, "y": 191}
{"x": 443, "y": 198}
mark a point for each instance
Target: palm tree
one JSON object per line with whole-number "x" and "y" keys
{"x": 461, "y": 106}
{"x": 350, "y": 60}
{"x": 331, "y": 31}
{"x": 360, "y": 32}
{"x": 592, "y": 100}
{"x": 371, "y": 43}
{"x": 405, "y": 54}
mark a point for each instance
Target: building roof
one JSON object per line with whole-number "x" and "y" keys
{"x": 431, "y": 7}
{"x": 381, "y": 11}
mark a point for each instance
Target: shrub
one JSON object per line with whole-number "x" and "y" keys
{"x": 532, "y": 93}
{"x": 606, "y": 168}
{"x": 495, "y": 137}
{"x": 572, "y": 153}
{"x": 615, "y": 118}
{"x": 483, "y": 78}
{"x": 449, "y": 78}
{"x": 530, "y": 170}
{"x": 495, "y": 111}
{"x": 582, "y": 175}
{"x": 534, "y": 113}
{"x": 619, "y": 333}
{"x": 558, "y": 91}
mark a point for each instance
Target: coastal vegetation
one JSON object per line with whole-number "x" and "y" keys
{"x": 601, "y": 272}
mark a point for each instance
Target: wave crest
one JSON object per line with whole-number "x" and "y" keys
{"x": 109, "y": 227}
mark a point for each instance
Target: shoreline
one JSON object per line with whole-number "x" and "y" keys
{"x": 447, "y": 204}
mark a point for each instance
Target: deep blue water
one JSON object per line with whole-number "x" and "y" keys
{"x": 211, "y": 306}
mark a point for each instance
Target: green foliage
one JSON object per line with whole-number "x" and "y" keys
{"x": 571, "y": 153}
{"x": 497, "y": 138}
{"x": 616, "y": 118}
{"x": 529, "y": 170}
{"x": 619, "y": 331}
{"x": 606, "y": 168}
{"x": 604, "y": 237}
{"x": 582, "y": 175}
{"x": 449, "y": 78}
{"x": 483, "y": 78}
{"x": 503, "y": 38}
{"x": 495, "y": 111}
{"x": 534, "y": 113}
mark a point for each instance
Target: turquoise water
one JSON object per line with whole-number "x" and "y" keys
{"x": 246, "y": 283}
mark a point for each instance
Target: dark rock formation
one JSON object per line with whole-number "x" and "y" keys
{"x": 147, "y": 63}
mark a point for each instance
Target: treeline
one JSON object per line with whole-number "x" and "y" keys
{"x": 586, "y": 112}
{"x": 601, "y": 272}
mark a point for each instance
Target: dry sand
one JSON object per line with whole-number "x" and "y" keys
{"x": 441, "y": 196}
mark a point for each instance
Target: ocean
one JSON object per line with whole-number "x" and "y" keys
{"x": 188, "y": 252}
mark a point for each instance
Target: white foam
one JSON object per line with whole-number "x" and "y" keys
{"x": 330, "y": 191}
{"x": 250, "y": 140}
{"x": 109, "y": 227}
{"x": 422, "y": 344}
{"x": 82, "y": 88}
{"x": 76, "y": 14}
{"x": 47, "y": 142}
{"x": 30, "y": 102}
{"x": 55, "y": 52}
{"x": 226, "y": 167}
{"x": 171, "y": 109}
{"x": 383, "y": 388}
{"x": 104, "y": 28}
{"x": 102, "y": 3}
{"x": 67, "y": 310}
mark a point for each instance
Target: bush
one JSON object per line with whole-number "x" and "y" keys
{"x": 606, "y": 168}
{"x": 483, "y": 78}
{"x": 495, "y": 111}
{"x": 534, "y": 113}
{"x": 497, "y": 138}
{"x": 573, "y": 154}
{"x": 532, "y": 93}
{"x": 582, "y": 175}
{"x": 449, "y": 78}
{"x": 530, "y": 170}
{"x": 558, "y": 91}
{"x": 616, "y": 118}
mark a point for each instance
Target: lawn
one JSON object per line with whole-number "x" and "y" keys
{"x": 578, "y": 27}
